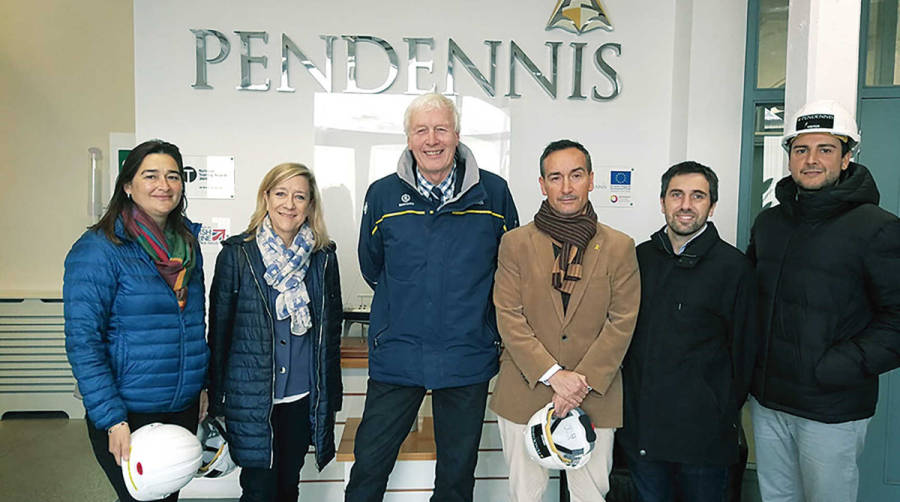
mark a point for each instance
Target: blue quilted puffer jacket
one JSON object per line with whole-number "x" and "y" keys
{"x": 241, "y": 339}
{"x": 132, "y": 349}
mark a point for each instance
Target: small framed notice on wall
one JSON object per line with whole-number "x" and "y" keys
{"x": 209, "y": 176}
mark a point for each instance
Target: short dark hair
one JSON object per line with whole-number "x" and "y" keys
{"x": 691, "y": 167}
{"x": 120, "y": 201}
{"x": 562, "y": 144}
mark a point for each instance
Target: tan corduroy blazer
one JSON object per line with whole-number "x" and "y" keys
{"x": 590, "y": 338}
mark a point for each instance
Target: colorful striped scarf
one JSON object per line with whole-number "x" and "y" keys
{"x": 169, "y": 251}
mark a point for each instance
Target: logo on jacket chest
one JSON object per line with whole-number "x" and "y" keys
{"x": 405, "y": 200}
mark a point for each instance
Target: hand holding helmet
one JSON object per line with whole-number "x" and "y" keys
{"x": 569, "y": 390}
{"x": 560, "y": 442}
{"x": 162, "y": 460}
{"x": 119, "y": 441}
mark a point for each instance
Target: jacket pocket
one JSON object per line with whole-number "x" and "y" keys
{"x": 378, "y": 338}
{"x": 699, "y": 324}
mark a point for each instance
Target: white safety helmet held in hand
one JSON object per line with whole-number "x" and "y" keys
{"x": 560, "y": 443}
{"x": 213, "y": 439}
{"x": 163, "y": 459}
{"x": 822, "y": 117}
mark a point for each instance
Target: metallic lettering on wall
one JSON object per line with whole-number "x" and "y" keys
{"x": 393, "y": 69}
{"x": 608, "y": 71}
{"x": 247, "y": 60}
{"x": 412, "y": 70}
{"x": 200, "y": 43}
{"x": 289, "y": 47}
{"x": 517, "y": 54}
{"x": 579, "y": 16}
{"x": 416, "y": 63}
{"x": 455, "y": 53}
{"x": 577, "y": 58}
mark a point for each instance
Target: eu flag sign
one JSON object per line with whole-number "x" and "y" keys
{"x": 620, "y": 177}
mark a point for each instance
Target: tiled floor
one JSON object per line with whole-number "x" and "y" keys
{"x": 49, "y": 459}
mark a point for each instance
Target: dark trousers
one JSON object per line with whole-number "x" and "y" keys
{"x": 281, "y": 483}
{"x": 100, "y": 443}
{"x": 387, "y": 418}
{"x": 670, "y": 481}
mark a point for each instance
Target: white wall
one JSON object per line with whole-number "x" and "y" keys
{"x": 714, "y": 99}
{"x": 681, "y": 69}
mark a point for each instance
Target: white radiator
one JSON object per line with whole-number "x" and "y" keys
{"x": 34, "y": 372}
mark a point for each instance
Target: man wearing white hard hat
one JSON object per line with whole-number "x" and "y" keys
{"x": 567, "y": 292}
{"x": 828, "y": 264}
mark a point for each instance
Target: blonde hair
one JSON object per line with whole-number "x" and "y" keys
{"x": 428, "y": 102}
{"x": 315, "y": 215}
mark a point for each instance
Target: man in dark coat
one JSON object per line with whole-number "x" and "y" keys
{"x": 828, "y": 264}
{"x": 687, "y": 372}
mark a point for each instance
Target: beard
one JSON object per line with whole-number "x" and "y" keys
{"x": 685, "y": 229}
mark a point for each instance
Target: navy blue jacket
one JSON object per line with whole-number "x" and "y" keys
{"x": 132, "y": 349}
{"x": 242, "y": 338}
{"x": 432, "y": 322}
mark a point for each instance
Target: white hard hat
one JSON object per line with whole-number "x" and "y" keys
{"x": 560, "y": 443}
{"x": 163, "y": 459}
{"x": 822, "y": 117}
{"x": 217, "y": 460}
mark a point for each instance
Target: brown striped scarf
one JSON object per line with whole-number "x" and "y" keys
{"x": 572, "y": 235}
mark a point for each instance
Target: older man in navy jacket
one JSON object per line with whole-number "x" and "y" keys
{"x": 428, "y": 247}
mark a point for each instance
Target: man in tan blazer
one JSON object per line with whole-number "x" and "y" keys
{"x": 567, "y": 291}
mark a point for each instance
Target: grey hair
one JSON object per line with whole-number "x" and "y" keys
{"x": 428, "y": 102}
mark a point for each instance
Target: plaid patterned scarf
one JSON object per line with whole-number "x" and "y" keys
{"x": 286, "y": 270}
{"x": 572, "y": 235}
{"x": 168, "y": 250}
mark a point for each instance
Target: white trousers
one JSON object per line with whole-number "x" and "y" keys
{"x": 802, "y": 460}
{"x": 528, "y": 479}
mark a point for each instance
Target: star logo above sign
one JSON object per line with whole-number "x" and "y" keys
{"x": 579, "y": 16}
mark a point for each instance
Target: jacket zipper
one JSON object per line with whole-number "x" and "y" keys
{"x": 320, "y": 355}
{"x": 768, "y": 328}
{"x": 181, "y": 369}
{"x": 272, "y": 328}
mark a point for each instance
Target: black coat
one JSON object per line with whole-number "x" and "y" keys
{"x": 241, "y": 340}
{"x": 687, "y": 372}
{"x": 828, "y": 264}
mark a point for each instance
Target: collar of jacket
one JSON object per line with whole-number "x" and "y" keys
{"x": 467, "y": 175}
{"x": 695, "y": 250}
{"x": 256, "y": 262}
{"x": 855, "y": 187}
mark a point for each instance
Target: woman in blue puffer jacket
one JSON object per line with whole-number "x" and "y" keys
{"x": 133, "y": 297}
{"x": 274, "y": 333}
